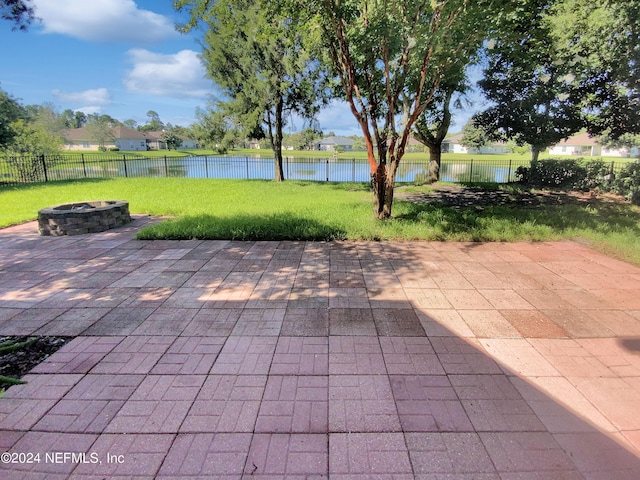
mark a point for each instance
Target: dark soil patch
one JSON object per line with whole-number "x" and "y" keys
{"x": 15, "y": 364}
{"x": 457, "y": 196}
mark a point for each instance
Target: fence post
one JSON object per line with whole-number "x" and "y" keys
{"x": 84, "y": 166}
{"x": 246, "y": 160}
{"x": 206, "y": 166}
{"x": 166, "y": 167}
{"x": 509, "y": 176}
{"x": 353, "y": 170}
{"x": 124, "y": 159}
{"x": 327, "y": 169}
{"x": 612, "y": 168}
{"x": 44, "y": 168}
{"x": 471, "y": 172}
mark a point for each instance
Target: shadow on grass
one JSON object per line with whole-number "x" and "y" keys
{"x": 508, "y": 222}
{"x": 281, "y": 226}
{"x": 17, "y": 187}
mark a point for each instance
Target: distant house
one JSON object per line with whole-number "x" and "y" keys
{"x": 123, "y": 138}
{"x": 581, "y": 144}
{"x": 453, "y": 144}
{"x": 155, "y": 141}
{"x": 330, "y": 144}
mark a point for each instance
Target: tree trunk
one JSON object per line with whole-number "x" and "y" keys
{"x": 535, "y": 152}
{"x": 278, "y": 142}
{"x": 276, "y": 139}
{"x": 383, "y": 185}
{"x": 435, "y": 160}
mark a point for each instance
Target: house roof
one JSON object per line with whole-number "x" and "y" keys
{"x": 153, "y": 135}
{"x": 84, "y": 134}
{"x": 336, "y": 140}
{"x": 579, "y": 139}
{"x": 126, "y": 132}
{"x": 457, "y": 138}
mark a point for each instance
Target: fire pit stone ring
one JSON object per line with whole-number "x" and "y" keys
{"x": 83, "y": 217}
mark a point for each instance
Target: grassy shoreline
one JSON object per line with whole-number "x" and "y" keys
{"x": 255, "y": 209}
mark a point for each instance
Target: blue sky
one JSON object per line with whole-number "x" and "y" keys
{"x": 122, "y": 58}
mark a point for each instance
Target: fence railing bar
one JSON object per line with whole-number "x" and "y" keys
{"x": 14, "y": 170}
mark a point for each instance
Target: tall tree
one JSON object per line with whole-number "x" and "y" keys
{"x": 153, "y": 124}
{"x": 390, "y": 58}
{"x": 215, "y": 129}
{"x": 48, "y": 118}
{"x": 10, "y": 111}
{"x": 100, "y": 129}
{"x": 256, "y": 57}
{"x": 474, "y": 135}
{"x": 73, "y": 119}
{"x": 432, "y": 126}
{"x": 33, "y": 138}
{"x": 172, "y": 139}
{"x": 599, "y": 42}
{"x": 532, "y": 90}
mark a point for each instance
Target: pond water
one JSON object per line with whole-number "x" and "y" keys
{"x": 340, "y": 170}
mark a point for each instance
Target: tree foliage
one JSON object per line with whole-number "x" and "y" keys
{"x": 599, "y": 42}
{"x": 474, "y": 135}
{"x": 10, "y": 111}
{"x": 568, "y": 65}
{"x": 19, "y": 12}
{"x": 215, "y": 129}
{"x": 531, "y": 89}
{"x": 154, "y": 124}
{"x": 100, "y": 129}
{"x": 257, "y": 59}
{"x": 33, "y": 139}
{"x": 172, "y": 139}
{"x": 390, "y": 59}
{"x": 432, "y": 126}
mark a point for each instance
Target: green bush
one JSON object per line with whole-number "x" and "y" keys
{"x": 627, "y": 183}
{"x": 576, "y": 174}
{"x": 557, "y": 173}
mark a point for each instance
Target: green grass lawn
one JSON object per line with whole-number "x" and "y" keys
{"x": 241, "y": 209}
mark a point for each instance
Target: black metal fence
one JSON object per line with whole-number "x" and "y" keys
{"x": 32, "y": 169}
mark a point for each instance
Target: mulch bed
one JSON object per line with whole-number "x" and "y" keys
{"x": 456, "y": 196}
{"x": 17, "y": 363}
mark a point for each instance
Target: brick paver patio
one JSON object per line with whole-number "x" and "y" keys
{"x": 347, "y": 360}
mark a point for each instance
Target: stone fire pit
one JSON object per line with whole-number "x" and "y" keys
{"x": 83, "y": 217}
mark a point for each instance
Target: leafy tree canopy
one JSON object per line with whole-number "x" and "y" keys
{"x": 10, "y": 111}
{"x": 474, "y": 135}
{"x": 390, "y": 58}
{"x": 599, "y": 42}
{"x": 532, "y": 92}
{"x": 256, "y": 57}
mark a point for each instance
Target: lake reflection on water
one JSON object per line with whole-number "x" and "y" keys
{"x": 332, "y": 170}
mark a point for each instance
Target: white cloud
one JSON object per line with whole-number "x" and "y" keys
{"x": 337, "y": 118}
{"x": 98, "y": 96}
{"x": 178, "y": 75}
{"x": 90, "y": 110}
{"x": 103, "y": 20}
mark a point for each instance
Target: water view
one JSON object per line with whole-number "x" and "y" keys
{"x": 321, "y": 170}
{"x": 35, "y": 169}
